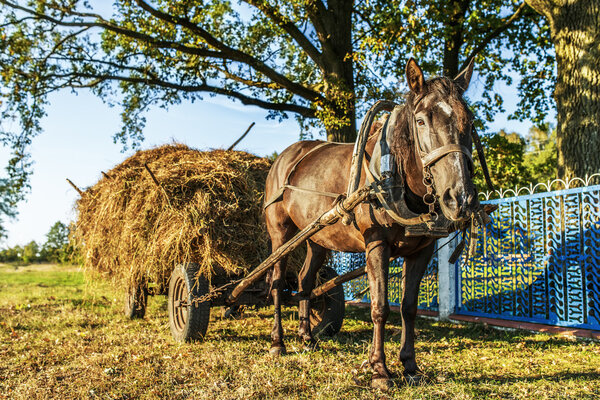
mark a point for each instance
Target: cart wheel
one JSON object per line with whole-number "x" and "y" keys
{"x": 327, "y": 311}
{"x": 136, "y": 299}
{"x": 188, "y": 321}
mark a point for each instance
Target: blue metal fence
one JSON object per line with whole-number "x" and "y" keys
{"x": 356, "y": 289}
{"x": 538, "y": 261}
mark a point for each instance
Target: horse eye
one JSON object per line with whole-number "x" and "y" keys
{"x": 420, "y": 122}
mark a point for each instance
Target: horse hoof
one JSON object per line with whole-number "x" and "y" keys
{"x": 415, "y": 379}
{"x": 277, "y": 351}
{"x": 384, "y": 384}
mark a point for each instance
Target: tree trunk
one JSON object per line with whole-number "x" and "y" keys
{"x": 457, "y": 11}
{"x": 575, "y": 29}
{"x": 334, "y": 30}
{"x": 346, "y": 134}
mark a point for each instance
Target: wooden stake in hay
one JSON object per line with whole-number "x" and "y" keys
{"x": 205, "y": 208}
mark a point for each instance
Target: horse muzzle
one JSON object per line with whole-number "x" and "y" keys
{"x": 458, "y": 205}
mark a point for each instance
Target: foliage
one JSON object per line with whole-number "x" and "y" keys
{"x": 319, "y": 61}
{"x": 506, "y": 38}
{"x": 273, "y": 156}
{"x": 505, "y": 155}
{"x": 11, "y": 254}
{"x": 15, "y": 185}
{"x": 541, "y": 157}
{"x": 31, "y": 252}
{"x": 57, "y": 248}
{"x": 515, "y": 161}
{"x": 574, "y": 34}
{"x": 68, "y": 338}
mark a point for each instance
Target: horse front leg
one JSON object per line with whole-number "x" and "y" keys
{"x": 414, "y": 268}
{"x": 315, "y": 256}
{"x": 378, "y": 255}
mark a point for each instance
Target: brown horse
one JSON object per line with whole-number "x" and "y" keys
{"x": 437, "y": 116}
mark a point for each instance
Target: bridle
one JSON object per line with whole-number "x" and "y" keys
{"x": 430, "y": 158}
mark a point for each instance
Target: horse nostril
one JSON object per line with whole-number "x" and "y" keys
{"x": 450, "y": 200}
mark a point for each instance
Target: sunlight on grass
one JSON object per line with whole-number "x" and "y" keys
{"x": 64, "y": 336}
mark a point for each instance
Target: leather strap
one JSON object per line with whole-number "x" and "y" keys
{"x": 314, "y": 191}
{"x": 278, "y": 195}
{"x": 440, "y": 152}
{"x": 481, "y": 155}
{"x": 287, "y": 179}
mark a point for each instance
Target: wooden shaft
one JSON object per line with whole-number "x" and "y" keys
{"x": 241, "y": 137}
{"x": 151, "y": 174}
{"x": 75, "y": 187}
{"x": 338, "y": 280}
{"x": 105, "y": 175}
{"x": 328, "y": 218}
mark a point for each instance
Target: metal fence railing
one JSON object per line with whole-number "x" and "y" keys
{"x": 537, "y": 261}
{"x": 355, "y": 290}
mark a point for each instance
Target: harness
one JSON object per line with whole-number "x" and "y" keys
{"x": 278, "y": 195}
{"x": 389, "y": 187}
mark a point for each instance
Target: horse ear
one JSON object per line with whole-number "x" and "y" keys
{"x": 414, "y": 76}
{"x": 464, "y": 77}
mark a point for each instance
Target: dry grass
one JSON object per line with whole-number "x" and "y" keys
{"x": 206, "y": 210}
{"x": 62, "y": 337}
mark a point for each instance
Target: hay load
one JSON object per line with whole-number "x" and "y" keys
{"x": 204, "y": 207}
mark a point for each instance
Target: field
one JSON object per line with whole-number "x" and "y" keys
{"x": 64, "y": 336}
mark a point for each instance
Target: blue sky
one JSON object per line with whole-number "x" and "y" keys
{"x": 77, "y": 144}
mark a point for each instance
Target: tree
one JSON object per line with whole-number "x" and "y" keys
{"x": 11, "y": 254}
{"x": 30, "y": 253}
{"x": 320, "y": 61}
{"x": 575, "y": 32}
{"x": 505, "y": 153}
{"x": 57, "y": 246}
{"x": 445, "y": 35}
{"x": 541, "y": 155}
{"x": 14, "y": 186}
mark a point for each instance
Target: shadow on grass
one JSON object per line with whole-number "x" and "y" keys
{"x": 552, "y": 377}
{"x": 432, "y": 331}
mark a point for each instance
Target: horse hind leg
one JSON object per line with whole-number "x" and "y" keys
{"x": 281, "y": 230}
{"x": 315, "y": 257}
{"x": 277, "y": 286}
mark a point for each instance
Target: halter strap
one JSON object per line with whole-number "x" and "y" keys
{"x": 430, "y": 158}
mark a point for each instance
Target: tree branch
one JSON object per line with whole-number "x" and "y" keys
{"x": 248, "y": 82}
{"x": 316, "y": 11}
{"x": 104, "y": 24}
{"x": 226, "y": 53}
{"x": 247, "y": 100}
{"x": 290, "y": 28}
{"x": 494, "y": 34}
{"x": 233, "y": 54}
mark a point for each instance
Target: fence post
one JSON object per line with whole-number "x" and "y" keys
{"x": 446, "y": 278}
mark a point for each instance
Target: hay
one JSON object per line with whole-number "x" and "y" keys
{"x": 207, "y": 209}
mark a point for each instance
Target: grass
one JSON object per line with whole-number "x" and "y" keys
{"x": 63, "y": 336}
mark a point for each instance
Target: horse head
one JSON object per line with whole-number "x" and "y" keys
{"x": 436, "y": 128}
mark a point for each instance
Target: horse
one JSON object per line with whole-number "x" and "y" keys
{"x": 434, "y": 118}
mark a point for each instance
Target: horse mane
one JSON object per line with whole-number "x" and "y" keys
{"x": 401, "y": 142}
